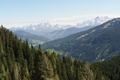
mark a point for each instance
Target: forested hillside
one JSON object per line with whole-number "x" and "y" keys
{"x": 21, "y": 61}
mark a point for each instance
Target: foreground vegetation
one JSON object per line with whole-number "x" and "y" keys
{"x": 21, "y": 61}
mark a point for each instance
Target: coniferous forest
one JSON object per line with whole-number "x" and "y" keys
{"x": 21, "y": 61}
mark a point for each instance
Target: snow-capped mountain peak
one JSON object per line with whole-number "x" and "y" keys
{"x": 94, "y": 21}
{"x": 59, "y": 31}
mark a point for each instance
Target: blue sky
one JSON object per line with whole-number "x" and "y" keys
{"x": 34, "y": 11}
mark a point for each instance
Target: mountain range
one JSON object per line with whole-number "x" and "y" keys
{"x": 52, "y": 32}
{"x": 96, "y": 44}
{"x": 32, "y": 38}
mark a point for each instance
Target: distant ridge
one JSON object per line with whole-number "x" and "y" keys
{"x": 57, "y": 31}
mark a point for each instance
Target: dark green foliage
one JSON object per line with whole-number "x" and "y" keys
{"x": 20, "y": 61}
{"x": 110, "y": 69}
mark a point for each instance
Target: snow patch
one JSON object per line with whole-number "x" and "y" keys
{"x": 98, "y": 56}
{"x": 107, "y": 25}
{"x": 102, "y": 59}
{"x": 93, "y": 30}
{"x": 81, "y": 36}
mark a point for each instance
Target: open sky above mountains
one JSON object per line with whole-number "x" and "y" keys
{"x": 20, "y": 12}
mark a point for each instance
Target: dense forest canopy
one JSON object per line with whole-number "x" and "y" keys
{"x": 21, "y": 61}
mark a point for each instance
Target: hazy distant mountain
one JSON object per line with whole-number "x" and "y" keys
{"x": 94, "y": 22}
{"x": 78, "y": 27}
{"x": 43, "y": 29}
{"x": 99, "y": 43}
{"x": 32, "y": 38}
{"x": 53, "y": 32}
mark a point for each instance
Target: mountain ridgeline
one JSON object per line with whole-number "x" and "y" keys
{"x": 96, "y": 44}
{"x": 57, "y": 31}
{"x": 20, "y": 61}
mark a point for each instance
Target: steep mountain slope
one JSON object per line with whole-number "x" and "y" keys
{"x": 32, "y": 38}
{"x": 66, "y": 32}
{"x": 99, "y": 43}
